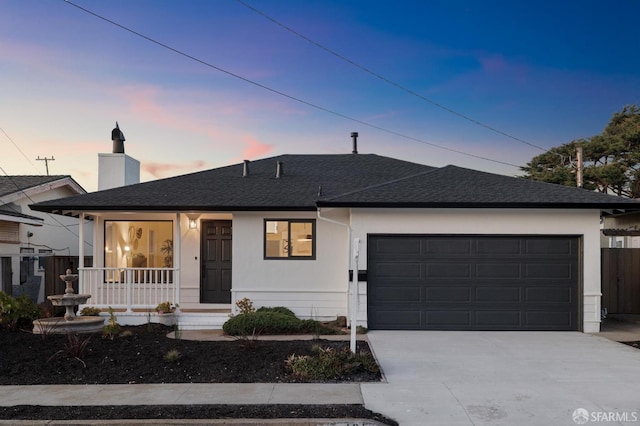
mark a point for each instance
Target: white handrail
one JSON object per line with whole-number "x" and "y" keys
{"x": 129, "y": 288}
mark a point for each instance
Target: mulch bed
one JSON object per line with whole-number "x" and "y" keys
{"x": 138, "y": 356}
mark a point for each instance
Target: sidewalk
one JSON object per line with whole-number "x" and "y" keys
{"x": 183, "y": 394}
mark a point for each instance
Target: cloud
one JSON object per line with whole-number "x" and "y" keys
{"x": 149, "y": 103}
{"x": 160, "y": 170}
{"x": 255, "y": 148}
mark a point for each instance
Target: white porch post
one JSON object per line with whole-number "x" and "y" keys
{"x": 81, "y": 254}
{"x": 177, "y": 260}
{"x": 81, "y": 237}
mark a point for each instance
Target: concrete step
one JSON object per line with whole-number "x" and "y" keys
{"x": 201, "y": 321}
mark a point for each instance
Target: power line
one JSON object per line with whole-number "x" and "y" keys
{"x": 278, "y": 92}
{"x": 19, "y": 188}
{"x": 387, "y": 80}
{"x": 18, "y": 148}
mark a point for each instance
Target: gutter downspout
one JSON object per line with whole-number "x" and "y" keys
{"x": 352, "y": 309}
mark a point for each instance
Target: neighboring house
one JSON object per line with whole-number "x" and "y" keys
{"x": 26, "y": 236}
{"x": 439, "y": 248}
{"x": 621, "y": 231}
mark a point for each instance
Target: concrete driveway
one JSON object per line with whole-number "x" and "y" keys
{"x": 504, "y": 378}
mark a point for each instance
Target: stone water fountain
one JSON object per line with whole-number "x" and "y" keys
{"x": 70, "y": 323}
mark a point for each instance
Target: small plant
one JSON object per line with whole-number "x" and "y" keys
{"x": 172, "y": 355}
{"x": 16, "y": 313}
{"x": 245, "y": 306}
{"x": 328, "y": 363}
{"x": 75, "y": 347}
{"x": 165, "y": 308}
{"x": 112, "y": 329}
{"x": 89, "y": 311}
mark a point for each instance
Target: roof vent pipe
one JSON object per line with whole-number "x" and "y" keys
{"x": 245, "y": 168}
{"x": 279, "y": 169}
{"x": 354, "y": 136}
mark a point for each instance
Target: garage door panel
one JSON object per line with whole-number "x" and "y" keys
{"x": 445, "y": 270}
{"x": 398, "y": 294}
{"x": 442, "y": 246}
{"x": 547, "y": 246}
{"x": 492, "y": 294}
{"x": 549, "y": 320}
{"x": 497, "y": 246}
{"x": 448, "y": 294}
{"x": 549, "y": 270}
{"x": 474, "y": 283}
{"x": 498, "y": 270}
{"x": 398, "y": 270}
{"x": 398, "y": 319}
{"x": 549, "y": 295}
{"x": 396, "y": 247}
{"x": 447, "y": 319}
{"x": 511, "y": 319}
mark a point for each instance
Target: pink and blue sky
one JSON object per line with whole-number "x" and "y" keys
{"x": 545, "y": 72}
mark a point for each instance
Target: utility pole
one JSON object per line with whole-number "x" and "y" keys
{"x": 46, "y": 162}
{"x": 579, "y": 173}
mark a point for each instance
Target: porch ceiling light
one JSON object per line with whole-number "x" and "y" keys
{"x": 193, "y": 220}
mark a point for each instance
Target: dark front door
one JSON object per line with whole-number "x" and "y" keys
{"x": 215, "y": 285}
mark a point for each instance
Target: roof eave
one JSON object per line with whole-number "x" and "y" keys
{"x": 496, "y": 205}
{"x": 75, "y": 211}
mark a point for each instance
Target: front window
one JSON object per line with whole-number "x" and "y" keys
{"x": 289, "y": 239}
{"x": 139, "y": 244}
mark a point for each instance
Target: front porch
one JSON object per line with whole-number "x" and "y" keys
{"x": 134, "y": 294}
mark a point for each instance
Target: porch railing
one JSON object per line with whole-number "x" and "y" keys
{"x": 129, "y": 288}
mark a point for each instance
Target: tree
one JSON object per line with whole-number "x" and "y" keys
{"x": 611, "y": 160}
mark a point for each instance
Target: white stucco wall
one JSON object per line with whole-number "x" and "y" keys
{"x": 584, "y": 223}
{"x": 311, "y": 288}
{"x": 318, "y": 288}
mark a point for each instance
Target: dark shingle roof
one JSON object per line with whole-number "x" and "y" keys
{"x": 349, "y": 180}
{"x": 11, "y": 184}
{"x": 453, "y": 186}
{"x": 225, "y": 189}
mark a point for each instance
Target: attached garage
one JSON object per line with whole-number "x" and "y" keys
{"x": 473, "y": 282}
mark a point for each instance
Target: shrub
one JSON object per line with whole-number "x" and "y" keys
{"x": 330, "y": 364}
{"x": 17, "y": 312}
{"x": 89, "y": 311}
{"x": 261, "y": 323}
{"x": 277, "y": 309}
{"x": 277, "y": 320}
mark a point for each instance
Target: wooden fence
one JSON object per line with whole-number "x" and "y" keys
{"x": 55, "y": 266}
{"x": 621, "y": 280}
